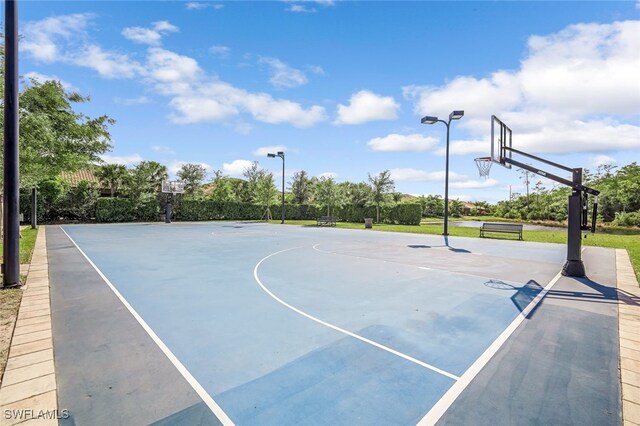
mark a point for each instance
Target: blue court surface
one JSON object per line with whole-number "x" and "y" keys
{"x": 289, "y": 325}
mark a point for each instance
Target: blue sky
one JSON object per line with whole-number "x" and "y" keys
{"x": 341, "y": 86}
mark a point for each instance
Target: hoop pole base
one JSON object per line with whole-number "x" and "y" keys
{"x": 574, "y": 268}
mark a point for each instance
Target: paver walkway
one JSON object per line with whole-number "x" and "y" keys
{"x": 629, "y": 325}
{"x": 28, "y": 390}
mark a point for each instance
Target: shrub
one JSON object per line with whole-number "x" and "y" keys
{"x": 115, "y": 210}
{"x": 627, "y": 219}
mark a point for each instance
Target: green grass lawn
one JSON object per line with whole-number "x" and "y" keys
{"x": 608, "y": 238}
{"x": 27, "y": 243}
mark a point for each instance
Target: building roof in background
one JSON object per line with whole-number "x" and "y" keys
{"x": 74, "y": 178}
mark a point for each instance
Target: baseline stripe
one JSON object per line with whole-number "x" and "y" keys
{"x": 213, "y": 406}
{"x": 342, "y": 330}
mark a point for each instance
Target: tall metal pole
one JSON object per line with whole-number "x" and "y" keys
{"x": 446, "y": 186}
{"x": 282, "y": 188}
{"x": 11, "y": 240}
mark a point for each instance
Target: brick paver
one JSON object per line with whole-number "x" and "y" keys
{"x": 28, "y": 388}
{"x": 629, "y": 318}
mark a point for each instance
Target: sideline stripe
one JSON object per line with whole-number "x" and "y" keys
{"x": 213, "y": 406}
{"x": 452, "y": 394}
{"x": 341, "y": 330}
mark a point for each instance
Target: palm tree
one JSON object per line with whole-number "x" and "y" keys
{"x": 380, "y": 186}
{"x": 112, "y": 176}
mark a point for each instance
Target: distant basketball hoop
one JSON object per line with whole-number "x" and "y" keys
{"x": 484, "y": 166}
{"x": 171, "y": 188}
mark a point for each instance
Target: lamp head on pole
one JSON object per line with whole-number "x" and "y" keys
{"x": 271, "y": 155}
{"x": 429, "y": 120}
{"x": 456, "y": 115}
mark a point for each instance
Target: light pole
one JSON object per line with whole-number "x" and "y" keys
{"x": 455, "y": 115}
{"x": 281, "y": 155}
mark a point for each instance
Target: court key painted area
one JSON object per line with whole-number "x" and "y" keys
{"x": 245, "y": 323}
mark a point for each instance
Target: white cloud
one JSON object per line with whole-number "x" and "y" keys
{"x": 315, "y": 69}
{"x": 193, "y": 5}
{"x": 328, "y": 175}
{"x": 220, "y": 50}
{"x": 282, "y": 75}
{"x": 474, "y": 184}
{"x": 169, "y": 67}
{"x": 396, "y": 142}
{"x": 107, "y": 64}
{"x": 161, "y": 149}
{"x": 140, "y": 100}
{"x": 366, "y": 106}
{"x": 127, "y": 160}
{"x": 175, "y": 166}
{"x": 572, "y": 93}
{"x": 41, "y": 38}
{"x": 602, "y": 160}
{"x": 151, "y": 36}
{"x": 142, "y": 35}
{"x": 41, "y": 78}
{"x": 193, "y": 95}
{"x": 414, "y": 175}
{"x": 194, "y": 109}
{"x": 299, "y": 8}
{"x": 165, "y": 26}
{"x": 263, "y": 151}
{"x": 465, "y": 147}
{"x": 263, "y": 107}
{"x": 236, "y": 167}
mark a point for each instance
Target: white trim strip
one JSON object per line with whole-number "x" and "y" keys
{"x": 341, "y": 330}
{"x": 432, "y": 417}
{"x": 213, "y": 406}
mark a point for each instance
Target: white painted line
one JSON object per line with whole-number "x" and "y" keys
{"x": 213, "y": 406}
{"x": 424, "y": 267}
{"x": 315, "y": 247}
{"x": 432, "y": 417}
{"x": 342, "y": 330}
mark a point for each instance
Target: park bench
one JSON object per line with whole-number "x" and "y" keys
{"x": 512, "y": 228}
{"x": 327, "y": 220}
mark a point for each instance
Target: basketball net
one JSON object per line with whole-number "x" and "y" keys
{"x": 484, "y": 166}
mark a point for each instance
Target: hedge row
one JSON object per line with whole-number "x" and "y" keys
{"x": 125, "y": 210}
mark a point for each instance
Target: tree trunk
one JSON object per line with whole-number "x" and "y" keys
{"x": 377, "y": 213}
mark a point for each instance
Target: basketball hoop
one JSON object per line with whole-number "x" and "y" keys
{"x": 484, "y": 166}
{"x": 172, "y": 187}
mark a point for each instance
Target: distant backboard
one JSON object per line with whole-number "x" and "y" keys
{"x": 501, "y": 138}
{"x": 172, "y": 187}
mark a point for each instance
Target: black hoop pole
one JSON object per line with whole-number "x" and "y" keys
{"x": 11, "y": 240}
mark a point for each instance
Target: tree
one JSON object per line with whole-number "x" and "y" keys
{"x": 266, "y": 193}
{"x": 380, "y": 186}
{"x": 328, "y": 194}
{"x": 524, "y": 175}
{"x": 223, "y": 190}
{"x": 193, "y": 175}
{"x": 145, "y": 180}
{"x": 357, "y": 194}
{"x": 253, "y": 174}
{"x": 113, "y": 176}
{"x": 301, "y": 187}
{"x": 54, "y": 137}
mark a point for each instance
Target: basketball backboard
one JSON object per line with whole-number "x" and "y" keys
{"x": 501, "y": 138}
{"x": 172, "y": 187}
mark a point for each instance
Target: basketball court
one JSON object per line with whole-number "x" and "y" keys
{"x": 250, "y": 323}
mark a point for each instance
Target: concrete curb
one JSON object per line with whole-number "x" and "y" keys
{"x": 28, "y": 389}
{"x": 628, "y": 320}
